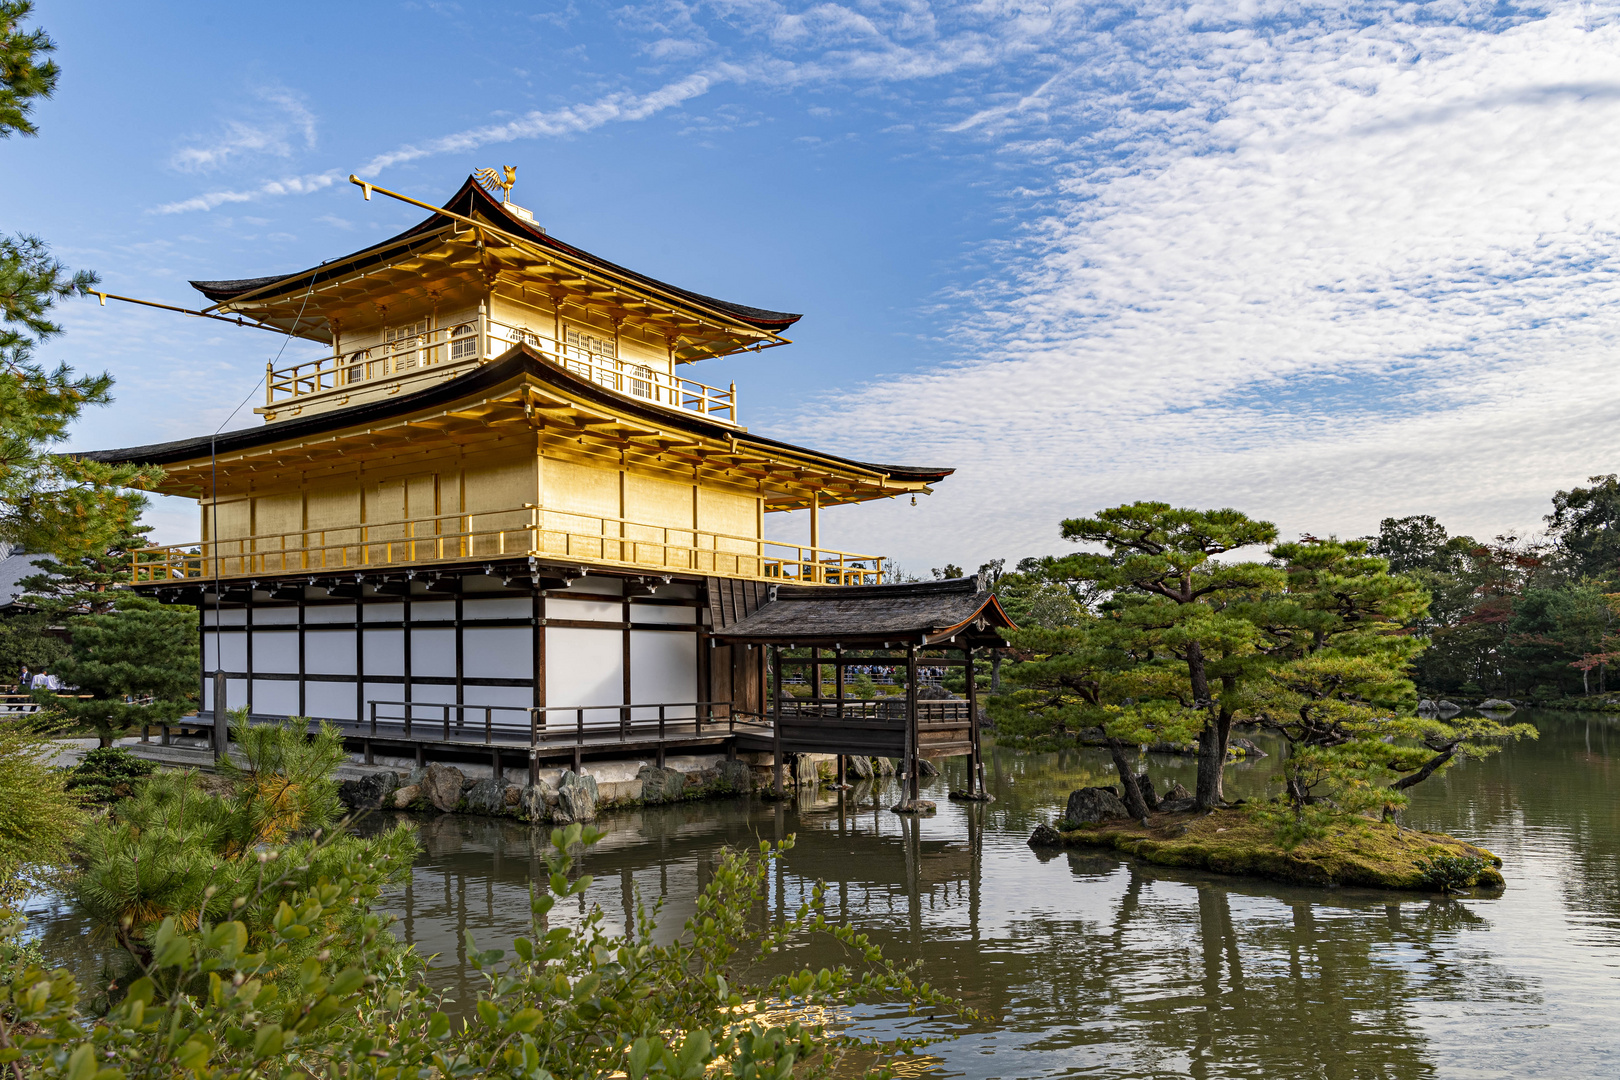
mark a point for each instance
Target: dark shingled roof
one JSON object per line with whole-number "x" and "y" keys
{"x": 469, "y": 200}
{"x": 920, "y": 613}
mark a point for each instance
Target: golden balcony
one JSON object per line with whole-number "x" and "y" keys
{"x": 452, "y": 350}
{"x": 518, "y": 532}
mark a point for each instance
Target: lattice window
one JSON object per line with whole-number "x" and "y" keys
{"x": 404, "y": 344}
{"x": 463, "y": 342}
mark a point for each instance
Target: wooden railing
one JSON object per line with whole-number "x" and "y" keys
{"x": 481, "y": 339}
{"x": 520, "y": 531}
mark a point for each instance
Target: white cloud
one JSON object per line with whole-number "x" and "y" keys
{"x": 1324, "y": 275}
{"x": 281, "y": 124}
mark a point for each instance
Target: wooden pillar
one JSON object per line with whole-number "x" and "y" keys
{"x": 247, "y": 629}
{"x": 405, "y": 644}
{"x": 815, "y": 538}
{"x": 303, "y": 705}
{"x": 815, "y": 674}
{"x": 776, "y": 718}
{"x": 360, "y": 657}
{"x": 913, "y": 787}
{"x": 461, "y": 653}
{"x": 976, "y": 761}
{"x": 624, "y": 713}
{"x": 838, "y": 678}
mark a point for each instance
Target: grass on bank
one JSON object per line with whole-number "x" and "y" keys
{"x": 1244, "y": 840}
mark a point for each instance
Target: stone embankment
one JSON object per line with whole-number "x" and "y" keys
{"x": 561, "y": 796}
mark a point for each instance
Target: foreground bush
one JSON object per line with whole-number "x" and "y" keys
{"x": 573, "y": 1001}
{"x": 39, "y": 817}
{"x": 177, "y": 850}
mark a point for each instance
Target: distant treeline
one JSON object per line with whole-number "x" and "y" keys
{"x": 1533, "y": 618}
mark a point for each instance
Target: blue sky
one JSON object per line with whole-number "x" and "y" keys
{"x": 1324, "y": 263}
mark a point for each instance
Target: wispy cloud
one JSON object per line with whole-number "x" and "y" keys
{"x": 1326, "y": 274}
{"x": 279, "y": 124}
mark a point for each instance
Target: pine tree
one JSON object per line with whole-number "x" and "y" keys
{"x": 47, "y": 502}
{"x": 85, "y": 584}
{"x": 137, "y": 663}
{"x": 1158, "y": 567}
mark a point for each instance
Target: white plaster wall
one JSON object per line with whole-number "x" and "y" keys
{"x": 385, "y": 652}
{"x": 329, "y": 699}
{"x": 276, "y": 616}
{"x": 275, "y": 697}
{"x": 497, "y": 653}
{"x": 663, "y": 667}
{"x": 583, "y": 667}
{"x": 329, "y": 613}
{"x": 329, "y": 652}
{"x": 596, "y": 610}
{"x": 506, "y": 607}
{"x": 275, "y": 650}
{"x": 659, "y": 613}
{"x": 433, "y": 653}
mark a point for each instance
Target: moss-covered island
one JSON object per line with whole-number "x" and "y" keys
{"x": 1353, "y": 851}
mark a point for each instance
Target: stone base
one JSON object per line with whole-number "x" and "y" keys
{"x": 914, "y": 806}
{"x": 968, "y": 796}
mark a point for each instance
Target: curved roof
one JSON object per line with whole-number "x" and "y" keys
{"x": 518, "y": 361}
{"x": 472, "y": 200}
{"x": 918, "y": 613}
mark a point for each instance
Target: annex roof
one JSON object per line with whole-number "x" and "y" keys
{"x": 473, "y": 201}
{"x": 956, "y": 610}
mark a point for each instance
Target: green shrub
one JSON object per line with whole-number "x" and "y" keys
{"x": 572, "y": 1001}
{"x": 108, "y": 773}
{"x": 39, "y": 817}
{"x": 1449, "y": 873}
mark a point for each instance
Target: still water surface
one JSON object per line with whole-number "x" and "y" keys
{"x": 1093, "y": 965}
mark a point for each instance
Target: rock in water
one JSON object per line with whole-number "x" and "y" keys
{"x": 935, "y": 692}
{"x": 1426, "y": 707}
{"x": 660, "y": 785}
{"x": 1045, "y": 836}
{"x": 488, "y": 796}
{"x": 926, "y": 768}
{"x": 443, "y": 784}
{"x": 576, "y": 798}
{"x": 1250, "y": 750}
{"x": 371, "y": 792}
{"x": 1175, "y": 791}
{"x": 883, "y": 766}
{"x": 536, "y": 801}
{"x": 1445, "y": 706}
{"x": 735, "y": 776}
{"x": 1093, "y": 804}
{"x": 406, "y": 795}
{"x": 1497, "y": 704}
{"x": 1149, "y": 796}
{"x": 861, "y": 767}
{"x": 511, "y": 796}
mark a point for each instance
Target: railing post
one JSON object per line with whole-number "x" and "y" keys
{"x": 489, "y": 724}
{"x": 534, "y": 752}
{"x": 407, "y": 719}
{"x": 661, "y": 736}
{"x": 269, "y": 382}
{"x": 447, "y": 723}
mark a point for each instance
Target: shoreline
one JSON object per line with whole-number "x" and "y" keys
{"x": 1358, "y": 852}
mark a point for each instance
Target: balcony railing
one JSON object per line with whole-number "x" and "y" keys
{"x": 483, "y": 339}
{"x": 520, "y": 531}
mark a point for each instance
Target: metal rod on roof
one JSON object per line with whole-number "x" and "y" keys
{"x": 238, "y": 321}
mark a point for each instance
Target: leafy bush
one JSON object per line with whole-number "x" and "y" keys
{"x": 1449, "y": 873}
{"x": 108, "y": 773}
{"x": 574, "y": 1001}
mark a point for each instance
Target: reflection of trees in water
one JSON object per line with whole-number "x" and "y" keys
{"x": 1552, "y": 798}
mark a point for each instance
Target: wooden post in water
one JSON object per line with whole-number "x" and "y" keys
{"x": 776, "y": 719}
{"x": 913, "y": 787}
{"x": 975, "y": 765}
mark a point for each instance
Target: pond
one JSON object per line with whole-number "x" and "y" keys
{"x": 1096, "y": 965}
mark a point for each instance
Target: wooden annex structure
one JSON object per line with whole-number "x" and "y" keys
{"x": 938, "y": 623}
{"x": 494, "y": 515}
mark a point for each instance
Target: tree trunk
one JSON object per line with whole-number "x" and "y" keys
{"x": 104, "y": 739}
{"x": 995, "y": 671}
{"x": 1127, "y": 780}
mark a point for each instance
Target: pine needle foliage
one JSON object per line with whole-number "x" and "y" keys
{"x": 39, "y": 816}
{"x": 138, "y": 663}
{"x": 571, "y": 1001}
{"x": 174, "y": 850}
